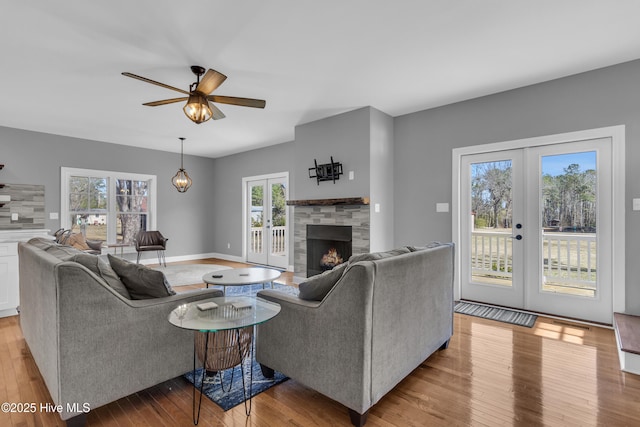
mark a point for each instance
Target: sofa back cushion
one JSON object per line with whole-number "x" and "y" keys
{"x": 142, "y": 282}
{"x": 103, "y": 270}
{"x": 63, "y": 253}
{"x": 42, "y": 243}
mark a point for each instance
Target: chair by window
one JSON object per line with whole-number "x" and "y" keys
{"x": 151, "y": 241}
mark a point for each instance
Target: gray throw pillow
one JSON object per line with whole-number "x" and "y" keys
{"x": 427, "y": 246}
{"x": 104, "y": 270}
{"x": 378, "y": 255}
{"x": 318, "y": 286}
{"x": 141, "y": 282}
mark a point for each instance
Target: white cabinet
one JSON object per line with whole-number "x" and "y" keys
{"x": 9, "y": 290}
{"x": 9, "y": 283}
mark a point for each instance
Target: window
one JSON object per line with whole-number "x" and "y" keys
{"x": 107, "y": 206}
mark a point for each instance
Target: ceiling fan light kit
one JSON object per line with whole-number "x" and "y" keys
{"x": 181, "y": 179}
{"x": 198, "y": 107}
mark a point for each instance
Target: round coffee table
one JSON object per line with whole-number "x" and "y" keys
{"x": 241, "y": 277}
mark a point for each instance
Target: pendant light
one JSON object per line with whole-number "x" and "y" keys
{"x": 181, "y": 179}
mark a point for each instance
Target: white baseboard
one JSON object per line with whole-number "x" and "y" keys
{"x": 192, "y": 257}
{"x": 8, "y": 312}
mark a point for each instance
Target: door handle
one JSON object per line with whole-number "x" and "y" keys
{"x": 518, "y": 237}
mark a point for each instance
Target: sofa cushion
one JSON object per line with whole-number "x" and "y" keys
{"x": 378, "y": 255}
{"x": 141, "y": 282}
{"x": 315, "y": 288}
{"x": 103, "y": 270}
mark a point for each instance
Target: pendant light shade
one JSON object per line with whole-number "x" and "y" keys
{"x": 181, "y": 179}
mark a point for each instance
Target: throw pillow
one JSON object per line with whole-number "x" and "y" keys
{"x": 78, "y": 241}
{"x": 141, "y": 282}
{"x": 378, "y": 255}
{"x": 318, "y": 286}
{"x": 427, "y": 246}
{"x": 104, "y": 270}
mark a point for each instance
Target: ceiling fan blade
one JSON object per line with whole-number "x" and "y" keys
{"x": 164, "y": 102}
{"x": 211, "y": 80}
{"x": 243, "y": 102}
{"x": 144, "y": 79}
{"x": 216, "y": 113}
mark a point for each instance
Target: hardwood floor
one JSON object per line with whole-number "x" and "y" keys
{"x": 554, "y": 374}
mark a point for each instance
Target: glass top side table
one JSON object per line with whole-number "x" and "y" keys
{"x": 231, "y": 322}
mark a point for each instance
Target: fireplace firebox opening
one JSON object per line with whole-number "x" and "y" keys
{"x": 327, "y": 246}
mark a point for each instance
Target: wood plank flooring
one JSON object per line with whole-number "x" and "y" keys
{"x": 493, "y": 374}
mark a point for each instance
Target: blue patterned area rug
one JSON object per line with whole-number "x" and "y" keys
{"x": 494, "y": 313}
{"x": 234, "y": 291}
{"x": 232, "y": 394}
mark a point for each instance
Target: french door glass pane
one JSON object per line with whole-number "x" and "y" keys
{"x": 491, "y": 222}
{"x": 257, "y": 219}
{"x": 278, "y": 219}
{"x": 569, "y": 226}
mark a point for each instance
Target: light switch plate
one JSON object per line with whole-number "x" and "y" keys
{"x": 636, "y": 204}
{"x": 376, "y": 207}
{"x": 442, "y": 207}
{"x": 53, "y": 215}
{"x": 14, "y": 216}
{"x": 352, "y": 175}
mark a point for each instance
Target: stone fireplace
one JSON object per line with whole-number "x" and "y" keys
{"x": 352, "y": 214}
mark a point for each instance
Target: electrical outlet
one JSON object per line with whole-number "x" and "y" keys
{"x": 228, "y": 245}
{"x": 14, "y": 216}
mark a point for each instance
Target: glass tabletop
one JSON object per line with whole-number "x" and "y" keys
{"x": 231, "y": 313}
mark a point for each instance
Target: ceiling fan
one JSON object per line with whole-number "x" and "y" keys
{"x": 198, "y": 108}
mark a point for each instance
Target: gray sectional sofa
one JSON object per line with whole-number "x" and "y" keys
{"x": 91, "y": 344}
{"x": 355, "y": 340}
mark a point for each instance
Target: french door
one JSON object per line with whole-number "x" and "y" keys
{"x": 536, "y": 228}
{"x": 267, "y": 222}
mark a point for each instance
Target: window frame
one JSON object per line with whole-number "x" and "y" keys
{"x": 112, "y": 214}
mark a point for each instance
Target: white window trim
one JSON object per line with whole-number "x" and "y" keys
{"x": 66, "y": 173}
{"x": 617, "y": 134}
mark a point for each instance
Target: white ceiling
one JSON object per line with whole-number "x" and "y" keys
{"x": 61, "y": 61}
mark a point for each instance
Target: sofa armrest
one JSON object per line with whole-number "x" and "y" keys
{"x": 123, "y": 345}
{"x": 326, "y": 344}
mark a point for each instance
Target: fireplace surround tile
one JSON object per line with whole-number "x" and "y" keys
{"x": 357, "y": 216}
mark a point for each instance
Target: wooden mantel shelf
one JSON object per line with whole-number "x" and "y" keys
{"x": 330, "y": 202}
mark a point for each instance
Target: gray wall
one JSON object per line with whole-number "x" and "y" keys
{"x": 424, "y": 140}
{"x": 226, "y": 191}
{"x": 36, "y": 158}
{"x": 381, "y": 181}
{"x": 346, "y": 138}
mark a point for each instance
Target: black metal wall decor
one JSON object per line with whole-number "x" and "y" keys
{"x": 326, "y": 172}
